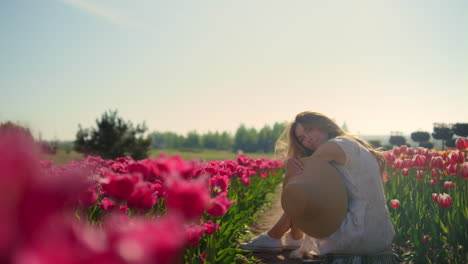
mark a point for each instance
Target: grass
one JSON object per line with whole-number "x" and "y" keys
{"x": 63, "y": 157}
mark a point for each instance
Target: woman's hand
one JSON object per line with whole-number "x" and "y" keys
{"x": 293, "y": 165}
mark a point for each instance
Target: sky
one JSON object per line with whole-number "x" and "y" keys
{"x": 212, "y": 65}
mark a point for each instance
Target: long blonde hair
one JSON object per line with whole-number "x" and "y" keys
{"x": 288, "y": 145}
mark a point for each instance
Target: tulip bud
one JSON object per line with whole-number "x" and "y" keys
{"x": 394, "y": 203}
{"x": 434, "y": 197}
{"x": 426, "y": 239}
{"x": 431, "y": 182}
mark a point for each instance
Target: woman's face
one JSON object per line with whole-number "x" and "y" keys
{"x": 311, "y": 139}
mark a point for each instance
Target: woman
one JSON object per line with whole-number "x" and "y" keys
{"x": 367, "y": 228}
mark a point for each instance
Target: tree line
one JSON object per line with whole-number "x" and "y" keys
{"x": 245, "y": 139}
{"x": 113, "y": 137}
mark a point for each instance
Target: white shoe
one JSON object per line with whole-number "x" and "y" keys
{"x": 263, "y": 243}
{"x": 290, "y": 243}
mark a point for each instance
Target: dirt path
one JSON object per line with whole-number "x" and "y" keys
{"x": 264, "y": 223}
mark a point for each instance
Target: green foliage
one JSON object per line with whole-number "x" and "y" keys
{"x": 461, "y": 129}
{"x": 375, "y": 143}
{"x": 397, "y": 140}
{"x": 112, "y": 138}
{"x": 420, "y": 136}
{"x": 442, "y": 132}
{"x": 427, "y": 144}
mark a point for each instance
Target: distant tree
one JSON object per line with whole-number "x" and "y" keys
{"x": 240, "y": 138}
{"x": 420, "y": 136}
{"x": 397, "y": 140}
{"x": 427, "y": 144}
{"x": 226, "y": 141}
{"x": 442, "y": 132}
{"x": 210, "y": 140}
{"x": 112, "y": 138}
{"x": 266, "y": 140}
{"x": 460, "y": 129}
{"x": 193, "y": 140}
{"x": 375, "y": 143}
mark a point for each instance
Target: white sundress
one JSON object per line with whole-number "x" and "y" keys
{"x": 367, "y": 228}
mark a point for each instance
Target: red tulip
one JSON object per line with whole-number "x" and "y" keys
{"x": 449, "y": 185}
{"x": 455, "y": 157}
{"x": 434, "y": 197}
{"x": 404, "y": 172}
{"x": 461, "y": 143}
{"x": 420, "y": 174}
{"x": 419, "y": 161}
{"x": 426, "y": 239}
{"x": 403, "y": 149}
{"x": 394, "y": 203}
{"x": 396, "y": 151}
{"x": 444, "y": 200}
{"x": 452, "y": 169}
{"x": 431, "y": 182}
{"x": 437, "y": 162}
{"x": 435, "y": 173}
{"x": 464, "y": 170}
{"x": 389, "y": 157}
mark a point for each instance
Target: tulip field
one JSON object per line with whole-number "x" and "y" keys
{"x": 427, "y": 192}
{"x": 170, "y": 210}
{"x": 163, "y": 210}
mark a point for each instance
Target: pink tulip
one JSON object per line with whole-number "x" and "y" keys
{"x": 88, "y": 197}
{"x": 432, "y": 182}
{"x": 194, "y": 234}
{"x": 464, "y": 170}
{"x": 143, "y": 198}
{"x": 219, "y": 183}
{"x": 394, "y": 203}
{"x": 210, "y": 227}
{"x": 444, "y": 200}
{"x": 219, "y": 205}
{"x": 403, "y": 149}
{"x": 119, "y": 186}
{"x": 107, "y": 204}
{"x": 188, "y": 197}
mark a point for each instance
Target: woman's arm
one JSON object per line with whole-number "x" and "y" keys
{"x": 330, "y": 151}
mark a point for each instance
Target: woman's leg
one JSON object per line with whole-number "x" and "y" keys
{"x": 282, "y": 226}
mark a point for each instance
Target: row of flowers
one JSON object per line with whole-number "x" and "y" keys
{"x": 428, "y": 192}
{"x": 114, "y": 211}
